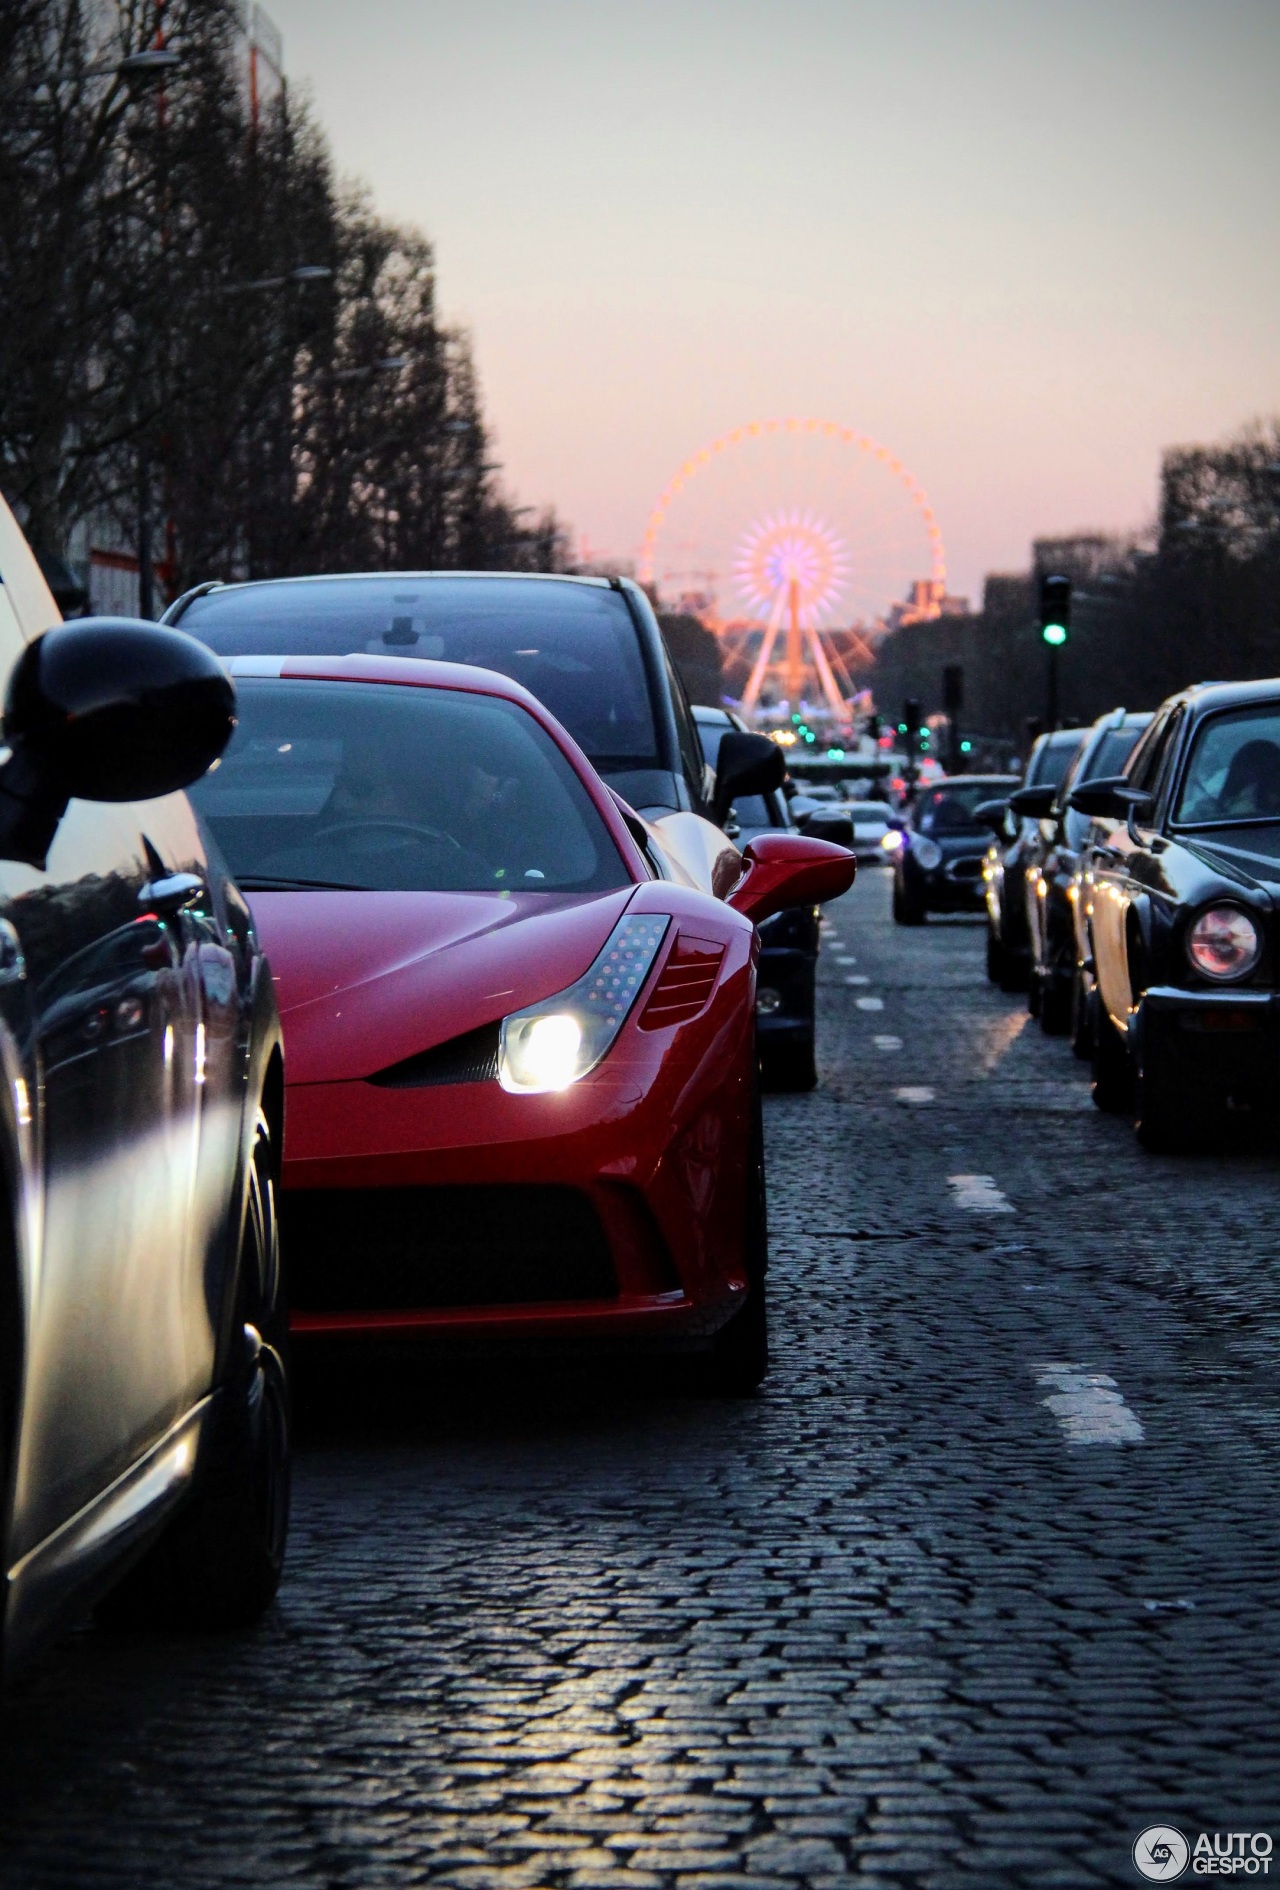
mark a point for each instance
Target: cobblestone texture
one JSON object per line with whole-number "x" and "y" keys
{"x": 883, "y": 1625}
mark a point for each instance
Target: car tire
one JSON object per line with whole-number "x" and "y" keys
{"x": 1112, "y": 1066}
{"x": 1055, "y": 1005}
{"x": 995, "y": 958}
{"x": 1081, "y": 1017}
{"x": 790, "y": 1068}
{"x": 1166, "y": 1117}
{"x": 218, "y": 1564}
{"x": 908, "y": 909}
{"x": 738, "y": 1361}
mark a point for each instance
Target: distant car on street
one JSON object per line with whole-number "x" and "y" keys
{"x": 1004, "y": 863}
{"x": 1181, "y": 895}
{"x": 871, "y": 822}
{"x": 144, "y": 1407}
{"x": 523, "y": 1096}
{"x": 937, "y": 864}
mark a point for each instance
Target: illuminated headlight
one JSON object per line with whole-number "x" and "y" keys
{"x": 1224, "y": 943}
{"x": 926, "y": 853}
{"x": 892, "y": 840}
{"x": 550, "y": 1045}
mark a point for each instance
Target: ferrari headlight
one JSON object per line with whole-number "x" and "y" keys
{"x": 1224, "y": 943}
{"x": 927, "y": 853}
{"x": 550, "y": 1045}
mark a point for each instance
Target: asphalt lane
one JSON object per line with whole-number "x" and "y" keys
{"x": 984, "y": 1583}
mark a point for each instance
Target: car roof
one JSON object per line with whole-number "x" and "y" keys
{"x": 1203, "y": 697}
{"x": 402, "y": 577}
{"x": 703, "y": 712}
{"x": 972, "y": 780}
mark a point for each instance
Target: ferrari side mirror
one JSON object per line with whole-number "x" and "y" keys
{"x": 789, "y": 869}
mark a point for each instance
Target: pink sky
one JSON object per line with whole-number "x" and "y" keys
{"x": 1024, "y": 244}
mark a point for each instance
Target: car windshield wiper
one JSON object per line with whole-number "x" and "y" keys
{"x": 277, "y": 882}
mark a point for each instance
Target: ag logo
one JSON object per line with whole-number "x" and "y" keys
{"x": 1161, "y": 1853}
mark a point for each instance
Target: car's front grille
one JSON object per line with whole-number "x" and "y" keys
{"x": 395, "y": 1249}
{"x": 966, "y": 866}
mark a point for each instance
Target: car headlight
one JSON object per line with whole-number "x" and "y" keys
{"x": 927, "y": 853}
{"x": 1224, "y": 943}
{"x": 547, "y": 1046}
{"x": 892, "y": 840}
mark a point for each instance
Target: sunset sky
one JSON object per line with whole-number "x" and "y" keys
{"x": 1024, "y": 244}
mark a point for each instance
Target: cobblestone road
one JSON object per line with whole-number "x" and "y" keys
{"x": 909, "y": 1618}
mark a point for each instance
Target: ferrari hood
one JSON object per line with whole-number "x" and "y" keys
{"x": 364, "y": 979}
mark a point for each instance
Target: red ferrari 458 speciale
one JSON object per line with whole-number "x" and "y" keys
{"x": 521, "y": 1069}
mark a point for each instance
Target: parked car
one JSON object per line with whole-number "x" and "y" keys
{"x": 871, "y": 822}
{"x": 1005, "y": 862}
{"x": 523, "y": 1094}
{"x": 1056, "y": 991}
{"x": 143, "y": 1400}
{"x": 937, "y": 864}
{"x": 789, "y": 941}
{"x": 1180, "y": 905}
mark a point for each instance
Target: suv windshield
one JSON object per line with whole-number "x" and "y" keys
{"x": 1234, "y": 770}
{"x": 574, "y": 646}
{"x": 393, "y": 789}
{"x": 1049, "y": 764}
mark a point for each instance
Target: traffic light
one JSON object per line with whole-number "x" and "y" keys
{"x": 875, "y": 725}
{"x": 911, "y": 715}
{"x": 1055, "y": 610}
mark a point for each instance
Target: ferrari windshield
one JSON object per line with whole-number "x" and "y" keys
{"x": 1234, "y": 769}
{"x": 379, "y": 787}
{"x": 572, "y": 645}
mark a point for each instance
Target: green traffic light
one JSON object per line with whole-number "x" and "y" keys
{"x": 1055, "y": 633}
{"x": 966, "y": 748}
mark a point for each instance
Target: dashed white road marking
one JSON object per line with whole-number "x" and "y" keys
{"x": 1088, "y": 1405}
{"x": 846, "y": 959}
{"x": 887, "y": 1043}
{"x": 869, "y": 1004}
{"x": 914, "y": 1093}
{"x": 978, "y": 1194}
{"x": 858, "y": 977}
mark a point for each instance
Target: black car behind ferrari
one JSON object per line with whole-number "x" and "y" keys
{"x": 1004, "y": 867}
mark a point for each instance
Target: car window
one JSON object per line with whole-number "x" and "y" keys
{"x": 573, "y": 646}
{"x": 398, "y": 789}
{"x": 1111, "y": 753}
{"x": 752, "y": 810}
{"x": 1148, "y": 753}
{"x": 1051, "y": 758}
{"x": 691, "y": 761}
{"x": 1233, "y": 770}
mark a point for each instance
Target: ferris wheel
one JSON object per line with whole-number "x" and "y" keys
{"x": 788, "y": 529}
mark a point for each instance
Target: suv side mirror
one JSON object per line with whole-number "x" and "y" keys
{"x": 106, "y": 709}
{"x": 1033, "y": 803}
{"x": 828, "y": 823}
{"x": 1110, "y": 797}
{"x": 746, "y": 764}
{"x": 790, "y": 869}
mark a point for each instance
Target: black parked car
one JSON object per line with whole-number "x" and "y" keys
{"x": 143, "y": 1401}
{"x": 1005, "y": 865}
{"x": 1180, "y": 898}
{"x": 788, "y": 941}
{"x": 1051, "y": 868}
{"x": 937, "y": 867}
